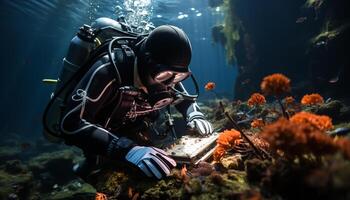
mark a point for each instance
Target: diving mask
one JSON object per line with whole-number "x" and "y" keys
{"x": 170, "y": 74}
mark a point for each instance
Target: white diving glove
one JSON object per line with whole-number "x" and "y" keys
{"x": 202, "y": 126}
{"x": 196, "y": 121}
{"x": 152, "y": 161}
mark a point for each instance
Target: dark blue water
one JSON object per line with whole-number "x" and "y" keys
{"x": 35, "y": 35}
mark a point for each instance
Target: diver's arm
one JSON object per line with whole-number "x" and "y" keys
{"x": 79, "y": 126}
{"x": 191, "y": 112}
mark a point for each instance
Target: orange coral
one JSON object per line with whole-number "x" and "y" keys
{"x": 257, "y": 123}
{"x": 297, "y": 139}
{"x": 226, "y": 140}
{"x": 219, "y": 152}
{"x": 321, "y": 122}
{"x": 210, "y": 86}
{"x": 312, "y": 99}
{"x": 275, "y": 84}
{"x": 256, "y": 99}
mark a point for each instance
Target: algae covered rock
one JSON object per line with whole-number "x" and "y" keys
{"x": 18, "y": 184}
{"x": 15, "y": 167}
{"x": 75, "y": 190}
{"x": 9, "y": 153}
{"x": 54, "y": 164}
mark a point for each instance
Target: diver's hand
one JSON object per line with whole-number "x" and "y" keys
{"x": 152, "y": 161}
{"x": 202, "y": 126}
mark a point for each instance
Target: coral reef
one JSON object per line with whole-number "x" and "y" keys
{"x": 312, "y": 99}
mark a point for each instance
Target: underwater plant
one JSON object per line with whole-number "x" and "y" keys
{"x": 256, "y": 99}
{"x": 231, "y": 30}
{"x": 320, "y": 122}
{"x": 312, "y": 99}
{"x": 226, "y": 140}
{"x": 276, "y": 85}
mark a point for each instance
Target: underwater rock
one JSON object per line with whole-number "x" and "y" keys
{"x": 12, "y": 196}
{"x": 202, "y": 169}
{"x": 19, "y": 184}
{"x": 55, "y": 164}
{"x": 43, "y": 145}
{"x": 335, "y": 109}
{"x": 202, "y": 182}
{"x": 311, "y": 179}
{"x": 233, "y": 162}
{"x": 73, "y": 191}
{"x": 255, "y": 169}
{"x": 9, "y": 153}
{"x": 331, "y": 109}
{"x": 15, "y": 167}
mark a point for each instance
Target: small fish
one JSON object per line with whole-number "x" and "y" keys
{"x": 301, "y": 20}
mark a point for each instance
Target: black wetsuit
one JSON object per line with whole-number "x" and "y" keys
{"x": 99, "y": 117}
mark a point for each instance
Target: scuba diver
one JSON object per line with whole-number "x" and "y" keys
{"x": 117, "y": 94}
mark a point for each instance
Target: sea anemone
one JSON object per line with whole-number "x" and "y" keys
{"x": 257, "y": 123}
{"x": 312, "y": 99}
{"x": 256, "y": 99}
{"x": 209, "y": 86}
{"x": 320, "y": 122}
{"x": 225, "y": 141}
{"x": 275, "y": 84}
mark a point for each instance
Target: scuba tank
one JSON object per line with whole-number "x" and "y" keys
{"x": 89, "y": 44}
{"x": 78, "y": 54}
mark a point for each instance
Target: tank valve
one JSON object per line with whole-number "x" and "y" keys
{"x": 86, "y": 33}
